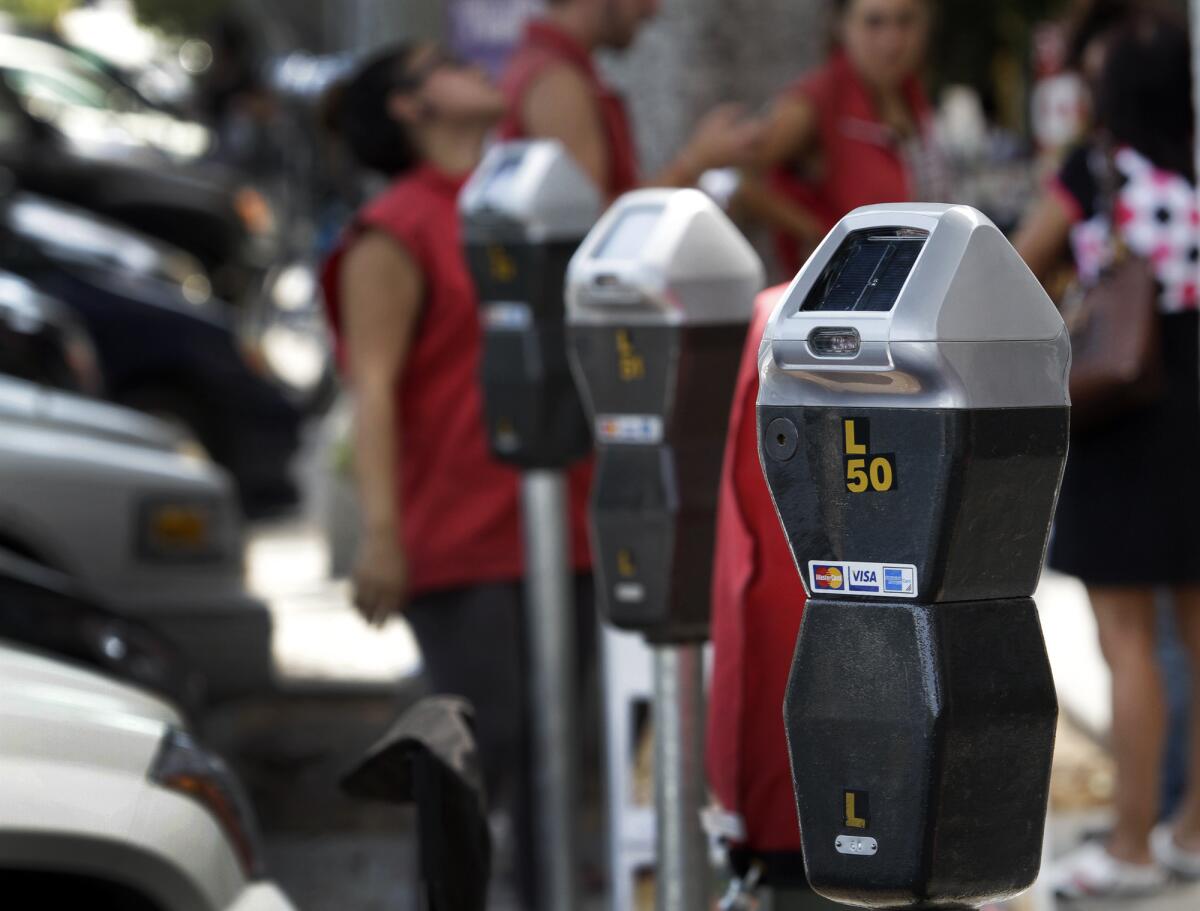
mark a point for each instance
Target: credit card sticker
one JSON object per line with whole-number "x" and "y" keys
{"x": 632, "y": 429}
{"x": 872, "y": 580}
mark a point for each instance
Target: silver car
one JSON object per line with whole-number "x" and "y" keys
{"x": 140, "y": 518}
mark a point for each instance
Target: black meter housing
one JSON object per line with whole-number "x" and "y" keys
{"x": 913, "y": 422}
{"x": 524, "y": 213}
{"x": 659, "y": 298}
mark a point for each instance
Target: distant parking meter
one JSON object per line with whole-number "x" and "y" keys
{"x": 524, "y": 212}
{"x": 659, "y": 298}
{"x": 913, "y": 419}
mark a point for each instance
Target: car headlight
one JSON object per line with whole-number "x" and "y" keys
{"x": 179, "y": 530}
{"x": 185, "y": 767}
{"x": 294, "y": 288}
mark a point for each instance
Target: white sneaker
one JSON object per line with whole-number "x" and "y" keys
{"x": 1090, "y": 871}
{"x": 1184, "y": 864}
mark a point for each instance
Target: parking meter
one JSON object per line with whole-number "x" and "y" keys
{"x": 659, "y": 298}
{"x": 524, "y": 212}
{"x": 913, "y": 418}
{"x": 660, "y": 295}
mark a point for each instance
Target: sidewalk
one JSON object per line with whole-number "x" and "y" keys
{"x": 320, "y": 642}
{"x": 1083, "y": 775}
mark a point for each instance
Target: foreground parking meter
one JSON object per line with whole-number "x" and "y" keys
{"x": 524, "y": 212}
{"x": 659, "y": 298}
{"x": 913, "y": 418}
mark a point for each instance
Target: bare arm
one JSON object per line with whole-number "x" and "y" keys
{"x": 381, "y": 288}
{"x": 1043, "y": 236}
{"x": 790, "y": 135}
{"x": 725, "y": 137}
{"x": 560, "y": 105}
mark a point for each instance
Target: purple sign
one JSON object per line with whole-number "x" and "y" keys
{"x": 486, "y": 31}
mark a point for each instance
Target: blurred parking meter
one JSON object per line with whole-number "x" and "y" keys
{"x": 659, "y": 298}
{"x": 524, "y": 212}
{"x": 913, "y": 418}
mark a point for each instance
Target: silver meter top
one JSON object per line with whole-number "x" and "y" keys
{"x": 664, "y": 256}
{"x": 916, "y": 306}
{"x": 534, "y": 186}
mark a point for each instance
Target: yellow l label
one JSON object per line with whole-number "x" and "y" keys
{"x": 502, "y": 267}
{"x": 853, "y": 447}
{"x": 853, "y": 820}
{"x": 631, "y": 366}
{"x": 626, "y": 568}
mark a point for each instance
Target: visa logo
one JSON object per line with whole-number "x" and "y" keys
{"x": 864, "y": 580}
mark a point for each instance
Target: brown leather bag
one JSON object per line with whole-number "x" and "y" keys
{"x": 1116, "y": 344}
{"x": 1116, "y": 334}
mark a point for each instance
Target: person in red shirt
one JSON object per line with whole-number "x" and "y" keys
{"x": 845, "y": 116}
{"x": 854, "y": 132}
{"x": 441, "y": 531}
{"x": 555, "y": 92}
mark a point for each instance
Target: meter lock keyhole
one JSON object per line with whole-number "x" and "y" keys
{"x": 782, "y": 438}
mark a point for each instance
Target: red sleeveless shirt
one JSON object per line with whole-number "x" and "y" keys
{"x": 862, "y": 162}
{"x": 543, "y": 47}
{"x": 757, "y": 602}
{"x": 460, "y": 523}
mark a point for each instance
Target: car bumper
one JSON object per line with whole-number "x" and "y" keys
{"x": 227, "y": 641}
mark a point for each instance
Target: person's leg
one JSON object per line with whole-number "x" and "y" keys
{"x": 1187, "y": 618}
{"x": 1126, "y": 622}
{"x": 1173, "y": 659}
{"x": 473, "y": 645}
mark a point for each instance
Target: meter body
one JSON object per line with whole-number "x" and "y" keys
{"x": 913, "y": 421}
{"x": 524, "y": 212}
{"x": 659, "y": 298}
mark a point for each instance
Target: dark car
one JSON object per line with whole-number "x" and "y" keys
{"x": 70, "y": 131}
{"x": 43, "y": 342}
{"x": 166, "y": 346}
{"x": 44, "y": 609}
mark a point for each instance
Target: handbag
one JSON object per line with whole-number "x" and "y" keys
{"x": 1116, "y": 337}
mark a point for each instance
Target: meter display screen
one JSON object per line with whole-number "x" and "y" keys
{"x": 502, "y": 176}
{"x": 627, "y": 237}
{"x": 867, "y": 272}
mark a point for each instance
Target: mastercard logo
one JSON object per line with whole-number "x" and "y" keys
{"x": 829, "y": 577}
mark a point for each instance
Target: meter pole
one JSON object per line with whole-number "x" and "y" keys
{"x": 550, "y": 603}
{"x": 682, "y": 880}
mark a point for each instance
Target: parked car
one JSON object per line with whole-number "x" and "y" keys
{"x": 166, "y": 345}
{"x": 43, "y": 341}
{"x": 72, "y": 132}
{"x": 46, "y": 610}
{"x": 108, "y": 803}
{"x": 121, "y": 504}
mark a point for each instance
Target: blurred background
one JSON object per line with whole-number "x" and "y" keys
{"x": 166, "y": 198}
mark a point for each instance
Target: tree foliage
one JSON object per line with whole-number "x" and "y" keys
{"x": 183, "y": 17}
{"x": 36, "y": 12}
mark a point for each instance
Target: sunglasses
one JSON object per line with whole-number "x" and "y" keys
{"x": 440, "y": 58}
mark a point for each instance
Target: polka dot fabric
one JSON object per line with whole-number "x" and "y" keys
{"x": 1158, "y": 216}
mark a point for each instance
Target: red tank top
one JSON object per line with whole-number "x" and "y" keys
{"x": 862, "y": 162}
{"x": 543, "y": 47}
{"x": 757, "y": 600}
{"x": 459, "y": 507}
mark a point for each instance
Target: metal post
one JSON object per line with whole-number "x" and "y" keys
{"x": 682, "y": 877}
{"x": 549, "y": 593}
